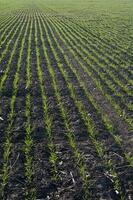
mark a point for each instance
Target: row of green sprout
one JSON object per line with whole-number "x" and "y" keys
{"x": 84, "y": 115}
{"x": 8, "y": 145}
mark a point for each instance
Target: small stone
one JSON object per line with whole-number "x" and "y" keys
{"x": 1, "y": 119}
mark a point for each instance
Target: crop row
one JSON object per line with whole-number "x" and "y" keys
{"x": 103, "y": 79}
{"x": 59, "y": 42}
{"x": 70, "y": 87}
{"x": 112, "y": 41}
{"x": 9, "y": 28}
{"x": 106, "y": 121}
{"x": 65, "y": 118}
{"x": 8, "y": 133}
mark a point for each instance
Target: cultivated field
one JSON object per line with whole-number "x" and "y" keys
{"x": 66, "y": 100}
